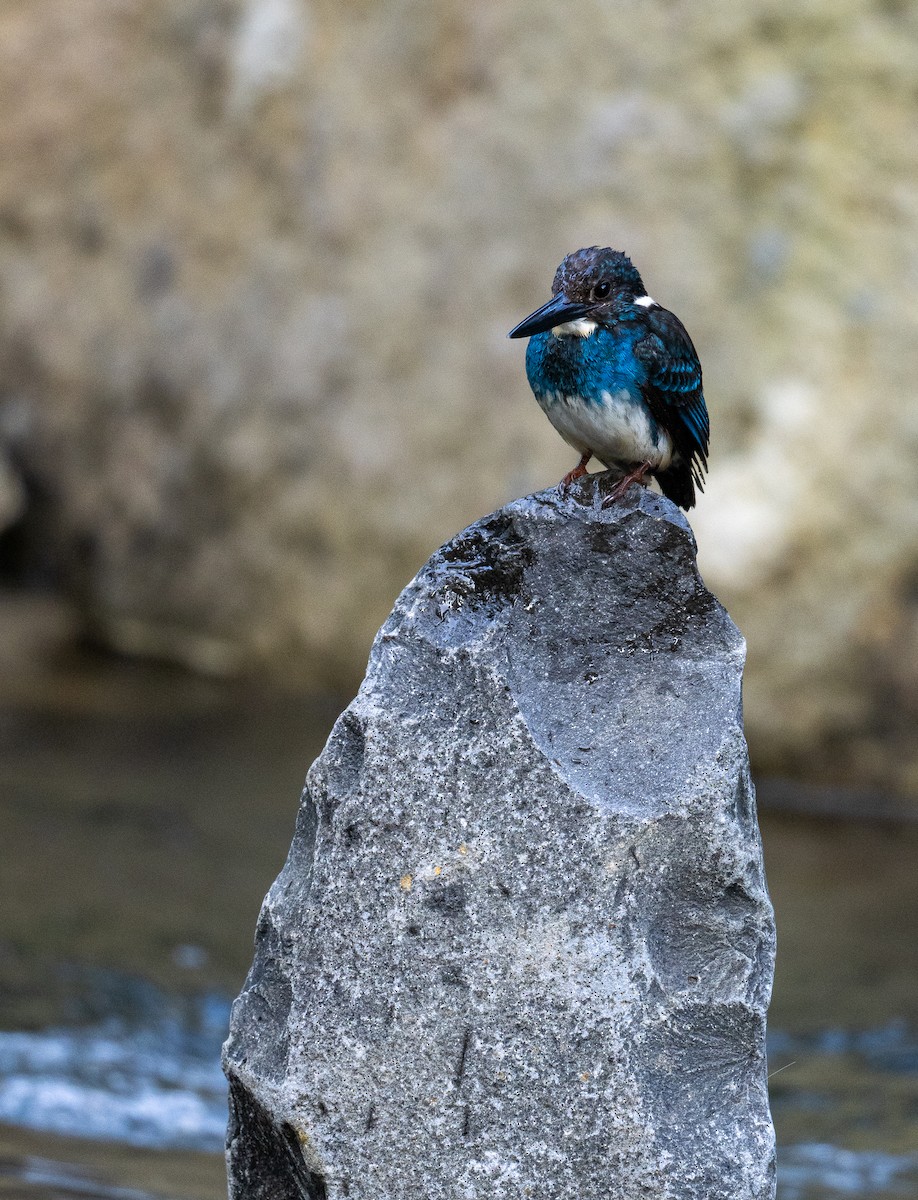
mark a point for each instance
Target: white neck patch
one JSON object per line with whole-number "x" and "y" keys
{"x": 646, "y": 301}
{"x": 582, "y": 327}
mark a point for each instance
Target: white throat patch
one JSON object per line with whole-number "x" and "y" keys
{"x": 582, "y": 327}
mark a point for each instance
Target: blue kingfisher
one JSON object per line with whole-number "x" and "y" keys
{"x": 618, "y": 377}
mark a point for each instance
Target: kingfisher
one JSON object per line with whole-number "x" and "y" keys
{"x": 618, "y": 377}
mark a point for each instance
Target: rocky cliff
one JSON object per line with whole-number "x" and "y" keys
{"x": 257, "y": 260}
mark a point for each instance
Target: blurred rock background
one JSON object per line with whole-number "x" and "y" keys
{"x": 257, "y": 262}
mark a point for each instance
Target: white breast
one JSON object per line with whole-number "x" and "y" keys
{"x": 617, "y": 430}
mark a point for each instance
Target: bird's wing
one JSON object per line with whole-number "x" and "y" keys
{"x": 673, "y": 389}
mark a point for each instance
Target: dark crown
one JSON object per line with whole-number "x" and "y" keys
{"x": 579, "y": 274}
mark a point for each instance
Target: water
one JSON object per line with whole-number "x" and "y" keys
{"x": 849, "y": 1085}
{"x": 144, "y": 815}
{"x": 145, "y": 1078}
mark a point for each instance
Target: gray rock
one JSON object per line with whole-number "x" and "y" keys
{"x": 522, "y": 945}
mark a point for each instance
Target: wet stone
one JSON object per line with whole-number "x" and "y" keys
{"x": 522, "y": 945}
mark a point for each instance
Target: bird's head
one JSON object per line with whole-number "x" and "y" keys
{"x": 588, "y": 283}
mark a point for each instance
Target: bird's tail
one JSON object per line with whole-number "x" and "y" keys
{"x": 677, "y": 484}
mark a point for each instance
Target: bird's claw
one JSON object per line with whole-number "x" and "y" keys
{"x": 625, "y": 483}
{"x": 576, "y": 473}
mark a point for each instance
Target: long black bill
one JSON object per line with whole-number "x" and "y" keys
{"x": 556, "y": 312}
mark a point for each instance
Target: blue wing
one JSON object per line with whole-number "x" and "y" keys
{"x": 673, "y": 388}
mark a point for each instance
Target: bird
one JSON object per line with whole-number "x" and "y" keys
{"x": 618, "y": 377}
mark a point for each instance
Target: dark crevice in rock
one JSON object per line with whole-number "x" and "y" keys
{"x": 467, "y": 1121}
{"x": 265, "y": 1159}
{"x": 744, "y": 807}
{"x": 460, "y": 1062}
{"x": 310, "y": 1183}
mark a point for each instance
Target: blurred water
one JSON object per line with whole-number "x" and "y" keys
{"x": 156, "y": 1084}
{"x": 33, "y": 1175}
{"x": 818, "y": 1171}
{"x": 847, "y": 1085}
{"x": 890, "y": 1047}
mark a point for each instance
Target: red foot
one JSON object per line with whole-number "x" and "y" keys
{"x": 578, "y": 472}
{"x": 635, "y": 476}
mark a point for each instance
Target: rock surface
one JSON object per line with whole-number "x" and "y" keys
{"x": 522, "y": 944}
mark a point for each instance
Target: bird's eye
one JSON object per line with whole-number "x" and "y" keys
{"x": 602, "y": 290}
